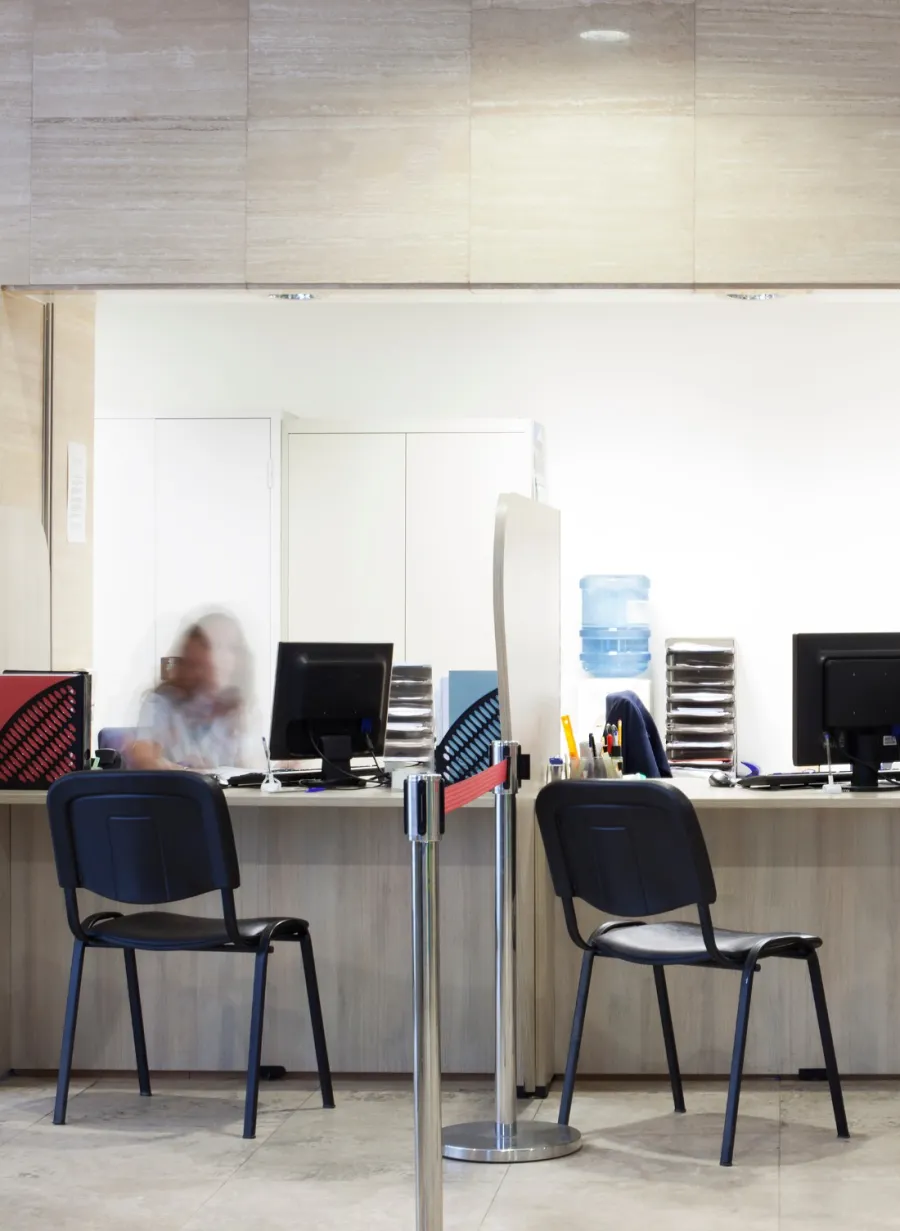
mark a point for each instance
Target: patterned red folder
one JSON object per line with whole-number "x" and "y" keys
{"x": 43, "y": 728}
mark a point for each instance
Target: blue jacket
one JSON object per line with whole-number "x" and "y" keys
{"x": 642, "y": 751}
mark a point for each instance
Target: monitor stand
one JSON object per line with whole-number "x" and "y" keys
{"x": 867, "y": 749}
{"x": 336, "y": 753}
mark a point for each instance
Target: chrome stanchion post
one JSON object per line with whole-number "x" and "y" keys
{"x": 504, "y": 1139}
{"x": 423, "y": 808}
{"x": 505, "y": 932}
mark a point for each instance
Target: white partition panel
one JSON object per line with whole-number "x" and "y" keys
{"x": 125, "y": 662}
{"x": 344, "y": 543}
{"x": 452, "y": 483}
{"x": 526, "y": 607}
{"x": 526, "y": 613}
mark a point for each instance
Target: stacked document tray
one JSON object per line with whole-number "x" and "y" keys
{"x": 410, "y": 725}
{"x": 700, "y": 704}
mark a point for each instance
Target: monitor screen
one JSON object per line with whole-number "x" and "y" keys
{"x": 848, "y": 685}
{"x": 330, "y": 690}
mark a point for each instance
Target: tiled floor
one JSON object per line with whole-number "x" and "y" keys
{"x": 178, "y": 1161}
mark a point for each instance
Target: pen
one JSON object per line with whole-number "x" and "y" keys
{"x": 620, "y": 733}
{"x": 593, "y": 745}
{"x": 570, "y": 736}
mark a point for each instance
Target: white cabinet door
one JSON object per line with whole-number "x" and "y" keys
{"x": 344, "y": 548}
{"x": 214, "y": 531}
{"x": 453, "y": 482}
{"x": 125, "y": 659}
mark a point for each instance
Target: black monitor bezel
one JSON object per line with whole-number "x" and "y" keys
{"x": 811, "y": 652}
{"x": 285, "y": 705}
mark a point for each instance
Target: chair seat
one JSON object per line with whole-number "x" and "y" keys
{"x": 678, "y": 944}
{"x": 158, "y": 929}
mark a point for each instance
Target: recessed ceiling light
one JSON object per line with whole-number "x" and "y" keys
{"x": 293, "y": 295}
{"x": 755, "y": 297}
{"x": 605, "y": 36}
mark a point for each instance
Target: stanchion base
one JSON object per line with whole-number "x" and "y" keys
{"x": 531, "y": 1141}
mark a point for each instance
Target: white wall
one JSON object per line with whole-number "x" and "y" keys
{"x": 742, "y": 455}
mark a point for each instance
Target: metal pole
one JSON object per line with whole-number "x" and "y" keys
{"x": 503, "y": 1139}
{"x": 423, "y": 807}
{"x": 505, "y": 931}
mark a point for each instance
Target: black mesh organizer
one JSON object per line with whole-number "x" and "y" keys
{"x": 466, "y": 748}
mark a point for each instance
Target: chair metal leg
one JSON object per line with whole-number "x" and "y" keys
{"x": 256, "y": 1032}
{"x": 737, "y": 1064}
{"x": 665, "y": 1014}
{"x": 68, "y": 1039}
{"x": 137, "y": 1021}
{"x": 831, "y": 1067}
{"x": 584, "y": 987}
{"x": 315, "y": 1016}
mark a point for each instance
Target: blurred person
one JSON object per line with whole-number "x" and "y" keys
{"x": 195, "y": 718}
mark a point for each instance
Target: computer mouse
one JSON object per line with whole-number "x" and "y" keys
{"x": 720, "y": 778}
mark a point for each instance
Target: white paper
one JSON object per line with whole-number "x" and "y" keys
{"x": 76, "y": 494}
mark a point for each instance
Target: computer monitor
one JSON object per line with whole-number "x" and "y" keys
{"x": 847, "y": 685}
{"x": 331, "y": 702}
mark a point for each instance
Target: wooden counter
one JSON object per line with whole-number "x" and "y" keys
{"x": 338, "y": 859}
{"x": 792, "y": 860}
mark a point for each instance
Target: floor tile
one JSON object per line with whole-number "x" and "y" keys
{"x": 368, "y": 1135}
{"x": 845, "y": 1202}
{"x": 810, "y": 1148}
{"x": 178, "y": 1161}
{"x": 335, "y": 1205}
{"x": 525, "y": 1203}
{"x": 26, "y": 1100}
{"x": 111, "y": 1204}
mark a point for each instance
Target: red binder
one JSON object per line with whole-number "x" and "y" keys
{"x": 44, "y": 728}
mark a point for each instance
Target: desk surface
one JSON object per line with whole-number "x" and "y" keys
{"x": 289, "y": 798}
{"x": 708, "y": 798}
{"x": 705, "y": 798}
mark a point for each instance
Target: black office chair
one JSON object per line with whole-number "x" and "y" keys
{"x": 145, "y": 838}
{"x": 636, "y": 848}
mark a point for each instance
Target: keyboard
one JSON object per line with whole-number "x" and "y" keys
{"x": 287, "y": 777}
{"x": 806, "y": 778}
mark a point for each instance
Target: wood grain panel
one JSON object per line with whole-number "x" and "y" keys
{"x": 780, "y": 61}
{"x": 344, "y": 869}
{"x": 582, "y": 199}
{"x": 16, "y": 25}
{"x": 144, "y": 201}
{"x": 5, "y": 943}
{"x": 532, "y": 59}
{"x": 24, "y": 590}
{"x": 15, "y": 200}
{"x": 798, "y": 199}
{"x": 106, "y": 59}
{"x": 873, "y": 8}
{"x": 73, "y": 420}
{"x": 359, "y": 57}
{"x": 21, "y": 402}
{"x": 368, "y": 200}
{"x": 834, "y": 873}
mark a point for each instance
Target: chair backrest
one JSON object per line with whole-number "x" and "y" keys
{"x": 627, "y": 848}
{"x": 119, "y": 739}
{"x": 142, "y": 837}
